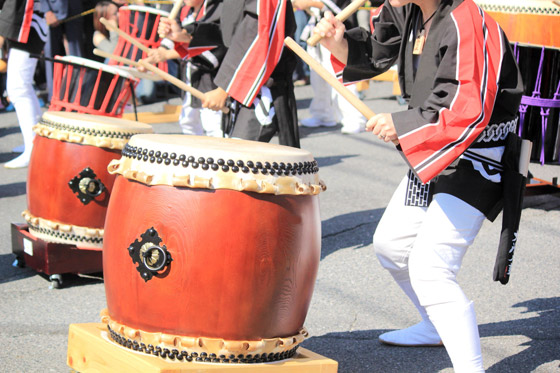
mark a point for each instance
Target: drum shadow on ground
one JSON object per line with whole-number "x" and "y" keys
{"x": 306, "y": 131}
{"x": 330, "y": 161}
{"x": 546, "y": 202}
{"x": 360, "y": 352}
{"x": 13, "y": 189}
{"x": 9, "y": 273}
{"x": 349, "y": 230}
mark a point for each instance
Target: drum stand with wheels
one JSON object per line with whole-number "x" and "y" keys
{"x": 536, "y": 186}
{"x": 52, "y": 259}
{"x": 90, "y": 349}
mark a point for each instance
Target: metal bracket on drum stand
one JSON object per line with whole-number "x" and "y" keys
{"x": 149, "y": 255}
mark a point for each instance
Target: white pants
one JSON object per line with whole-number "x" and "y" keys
{"x": 327, "y": 104}
{"x": 199, "y": 121}
{"x": 19, "y": 86}
{"x": 423, "y": 247}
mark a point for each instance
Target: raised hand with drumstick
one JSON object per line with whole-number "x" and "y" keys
{"x": 458, "y": 74}
{"x": 195, "y": 118}
{"x": 328, "y": 107}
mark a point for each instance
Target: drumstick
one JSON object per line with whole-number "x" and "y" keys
{"x": 177, "y": 82}
{"x": 331, "y": 79}
{"x": 71, "y": 18}
{"x": 100, "y": 53}
{"x": 342, "y": 16}
{"x": 174, "y": 11}
{"x": 123, "y": 34}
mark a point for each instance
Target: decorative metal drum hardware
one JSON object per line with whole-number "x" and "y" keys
{"x": 86, "y": 186}
{"x": 149, "y": 255}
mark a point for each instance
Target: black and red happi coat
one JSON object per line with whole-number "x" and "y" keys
{"x": 465, "y": 81}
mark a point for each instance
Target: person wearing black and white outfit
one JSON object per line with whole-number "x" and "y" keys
{"x": 24, "y": 29}
{"x": 463, "y": 88}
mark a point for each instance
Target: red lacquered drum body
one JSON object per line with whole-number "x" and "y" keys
{"x": 68, "y": 186}
{"x": 238, "y": 250}
{"x": 85, "y": 86}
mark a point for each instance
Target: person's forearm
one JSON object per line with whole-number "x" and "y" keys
{"x": 340, "y": 51}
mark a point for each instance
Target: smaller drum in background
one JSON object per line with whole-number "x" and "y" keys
{"x": 68, "y": 185}
{"x": 140, "y": 22}
{"x": 86, "y": 86}
{"x": 211, "y": 248}
{"x": 539, "y": 118}
{"x": 526, "y": 21}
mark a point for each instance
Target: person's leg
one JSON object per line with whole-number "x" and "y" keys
{"x": 351, "y": 119}
{"x": 285, "y": 121}
{"x": 302, "y": 70}
{"x": 393, "y": 241}
{"x": 189, "y": 118}
{"x": 53, "y": 47}
{"x": 450, "y": 227}
{"x": 247, "y": 126}
{"x": 321, "y": 108}
{"x": 211, "y": 122}
{"x": 21, "y": 69}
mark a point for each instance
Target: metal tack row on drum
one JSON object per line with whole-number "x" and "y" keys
{"x": 211, "y": 248}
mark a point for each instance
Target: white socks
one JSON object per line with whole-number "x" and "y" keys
{"x": 456, "y": 324}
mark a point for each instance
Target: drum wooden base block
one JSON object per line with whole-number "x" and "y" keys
{"x": 169, "y": 114}
{"x": 53, "y": 258}
{"x": 90, "y": 350}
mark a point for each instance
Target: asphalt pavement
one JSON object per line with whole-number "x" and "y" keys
{"x": 354, "y": 300}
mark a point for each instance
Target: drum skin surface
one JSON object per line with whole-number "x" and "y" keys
{"x": 53, "y": 164}
{"x": 243, "y": 264}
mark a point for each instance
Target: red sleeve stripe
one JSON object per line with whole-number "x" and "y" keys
{"x": 434, "y": 146}
{"x": 26, "y": 24}
{"x": 263, "y": 54}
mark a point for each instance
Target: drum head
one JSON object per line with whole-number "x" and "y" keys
{"x": 217, "y": 163}
{"x": 96, "y": 66}
{"x": 97, "y": 130}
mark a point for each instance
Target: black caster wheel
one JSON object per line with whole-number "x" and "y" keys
{"x": 56, "y": 281}
{"x": 18, "y": 262}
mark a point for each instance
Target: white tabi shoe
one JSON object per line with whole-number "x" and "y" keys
{"x": 19, "y": 162}
{"x": 422, "y": 334}
{"x": 314, "y": 123}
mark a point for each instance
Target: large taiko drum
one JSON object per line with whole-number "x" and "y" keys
{"x": 140, "y": 22}
{"x": 539, "y": 118}
{"x": 68, "y": 186}
{"x": 86, "y": 86}
{"x": 211, "y": 248}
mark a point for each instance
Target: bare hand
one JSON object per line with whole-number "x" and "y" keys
{"x": 215, "y": 99}
{"x": 331, "y": 31}
{"x": 383, "y": 127}
{"x": 51, "y": 19}
{"x": 170, "y": 28}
